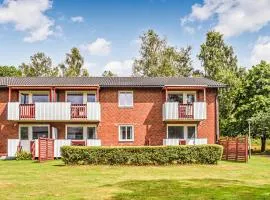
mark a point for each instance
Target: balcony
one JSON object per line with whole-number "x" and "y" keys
{"x": 173, "y": 111}
{"x": 54, "y": 111}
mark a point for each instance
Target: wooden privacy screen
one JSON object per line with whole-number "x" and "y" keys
{"x": 45, "y": 149}
{"x": 235, "y": 149}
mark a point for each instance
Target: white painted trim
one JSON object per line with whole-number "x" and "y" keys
{"x": 83, "y": 92}
{"x": 84, "y": 126}
{"x": 127, "y": 91}
{"x": 119, "y": 133}
{"x": 30, "y": 129}
{"x": 185, "y": 130}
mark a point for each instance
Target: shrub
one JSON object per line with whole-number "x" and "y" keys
{"x": 155, "y": 155}
{"x": 23, "y": 155}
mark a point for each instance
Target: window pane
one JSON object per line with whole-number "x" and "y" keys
{"x": 175, "y": 98}
{"x": 24, "y": 133}
{"x": 123, "y": 135}
{"x": 40, "y": 131}
{"x": 129, "y": 132}
{"x": 125, "y": 98}
{"x": 176, "y": 132}
{"x": 91, "y": 132}
{"x": 40, "y": 98}
{"x": 75, "y": 133}
{"x": 191, "y": 132}
{"x": 24, "y": 98}
{"x": 91, "y": 98}
{"x": 190, "y": 98}
{"x": 75, "y": 98}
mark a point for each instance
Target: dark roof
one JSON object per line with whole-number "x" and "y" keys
{"x": 108, "y": 81}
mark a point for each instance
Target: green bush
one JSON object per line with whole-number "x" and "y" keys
{"x": 23, "y": 155}
{"x": 155, "y": 155}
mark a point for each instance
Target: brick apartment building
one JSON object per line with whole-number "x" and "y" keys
{"x": 108, "y": 111}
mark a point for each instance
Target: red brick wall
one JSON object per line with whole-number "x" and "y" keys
{"x": 145, "y": 116}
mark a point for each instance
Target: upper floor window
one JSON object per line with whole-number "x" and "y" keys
{"x": 182, "y": 97}
{"x": 33, "y": 97}
{"x": 80, "y": 97}
{"x": 125, "y": 99}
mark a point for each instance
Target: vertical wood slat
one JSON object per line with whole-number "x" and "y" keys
{"x": 78, "y": 111}
{"x": 46, "y": 149}
{"x": 27, "y": 111}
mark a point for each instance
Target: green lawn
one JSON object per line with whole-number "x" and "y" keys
{"x": 53, "y": 180}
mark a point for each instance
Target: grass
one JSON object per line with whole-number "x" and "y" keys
{"x": 53, "y": 180}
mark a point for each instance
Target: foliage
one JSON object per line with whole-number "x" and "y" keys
{"x": 158, "y": 155}
{"x": 108, "y": 74}
{"x": 10, "y": 71}
{"x": 40, "y": 66}
{"x": 23, "y": 155}
{"x": 73, "y": 65}
{"x": 220, "y": 64}
{"x": 158, "y": 59}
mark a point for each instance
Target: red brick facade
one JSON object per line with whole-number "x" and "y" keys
{"x": 145, "y": 116}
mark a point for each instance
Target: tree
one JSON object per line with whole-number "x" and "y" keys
{"x": 40, "y": 66}
{"x": 158, "y": 59}
{"x": 220, "y": 64}
{"x": 73, "y": 65}
{"x": 253, "y": 100}
{"x": 108, "y": 74}
{"x": 6, "y": 71}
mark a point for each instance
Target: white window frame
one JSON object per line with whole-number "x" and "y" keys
{"x": 30, "y": 130}
{"x": 119, "y": 133}
{"x": 84, "y": 126}
{"x": 125, "y": 106}
{"x": 83, "y": 92}
{"x": 185, "y": 93}
{"x": 185, "y": 130}
{"x": 31, "y": 92}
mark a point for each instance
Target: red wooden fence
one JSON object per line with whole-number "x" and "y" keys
{"x": 27, "y": 111}
{"x": 45, "y": 149}
{"x": 78, "y": 111}
{"x": 235, "y": 149}
{"x": 186, "y": 111}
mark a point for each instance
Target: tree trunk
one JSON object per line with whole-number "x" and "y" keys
{"x": 263, "y": 142}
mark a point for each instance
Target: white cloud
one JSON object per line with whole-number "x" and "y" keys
{"x": 121, "y": 68}
{"x": 77, "y": 19}
{"x": 28, "y": 16}
{"x": 233, "y": 16}
{"x": 189, "y": 29}
{"x": 261, "y": 50}
{"x": 100, "y": 47}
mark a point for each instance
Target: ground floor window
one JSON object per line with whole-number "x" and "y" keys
{"x": 32, "y": 132}
{"x": 81, "y": 132}
{"x": 126, "y": 133}
{"x": 181, "y": 131}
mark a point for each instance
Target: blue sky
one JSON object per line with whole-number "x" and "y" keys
{"x": 107, "y": 31}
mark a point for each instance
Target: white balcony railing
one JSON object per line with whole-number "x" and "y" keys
{"x": 57, "y": 111}
{"x": 175, "y": 142}
{"x": 176, "y": 111}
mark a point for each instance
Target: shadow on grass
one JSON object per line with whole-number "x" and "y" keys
{"x": 190, "y": 189}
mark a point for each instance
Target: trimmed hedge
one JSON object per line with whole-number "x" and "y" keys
{"x": 23, "y": 155}
{"x": 146, "y": 155}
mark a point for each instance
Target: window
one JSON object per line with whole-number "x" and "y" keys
{"x": 40, "y": 98}
{"x": 190, "y": 98}
{"x": 91, "y": 133}
{"x": 40, "y": 131}
{"x": 191, "y": 132}
{"x": 24, "y": 133}
{"x": 75, "y": 133}
{"x": 75, "y": 98}
{"x": 125, "y": 99}
{"x": 175, "y": 98}
{"x": 24, "y": 98}
{"x": 91, "y": 98}
{"x": 176, "y": 132}
{"x": 126, "y": 133}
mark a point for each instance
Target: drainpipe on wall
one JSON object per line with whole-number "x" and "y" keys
{"x": 217, "y": 118}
